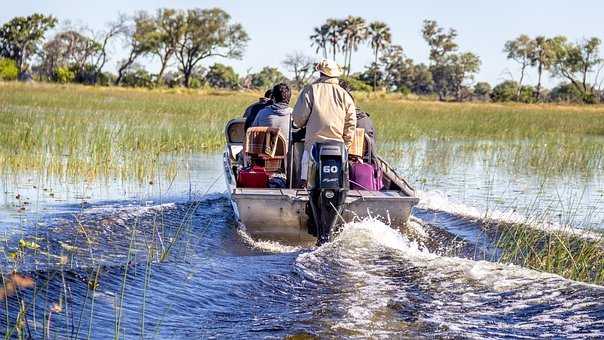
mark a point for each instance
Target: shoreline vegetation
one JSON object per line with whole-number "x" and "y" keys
{"x": 181, "y": 43}
{"x": 75, "y": 129}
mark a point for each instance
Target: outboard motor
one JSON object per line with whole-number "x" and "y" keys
{"x": 328, "y": 185}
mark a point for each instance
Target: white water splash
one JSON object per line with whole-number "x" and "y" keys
{"x": 370, "y": 234}
{"x": 363, "y": 264}
{"x": 130, "y": 210}
{"x": 265, "y": 245}
{"x": 439, "y": 201}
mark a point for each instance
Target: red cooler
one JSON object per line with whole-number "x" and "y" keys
{"x": 256, "y": 177}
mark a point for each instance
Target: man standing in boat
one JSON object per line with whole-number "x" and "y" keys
{"x": 326, "y": 110}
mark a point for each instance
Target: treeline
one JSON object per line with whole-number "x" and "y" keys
{"x": 450, "y": 74}
{"x": 180, "y": 41}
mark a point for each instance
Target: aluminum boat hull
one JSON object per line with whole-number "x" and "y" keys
{"x": 280, "y": 214}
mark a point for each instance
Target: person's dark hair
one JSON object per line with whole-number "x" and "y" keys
{"x": 268, "y": 93}
{"x": 282, "y": 93}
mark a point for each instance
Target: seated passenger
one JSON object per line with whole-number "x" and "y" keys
{"x": 278, "y": 114}
{"x": 252, "y": 110}
{"x": 363, "y": 121}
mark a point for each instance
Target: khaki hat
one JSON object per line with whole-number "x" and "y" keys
{"x": 329, "y": 67}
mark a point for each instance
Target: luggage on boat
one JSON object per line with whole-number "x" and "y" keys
{"x": 254, "y": 177}
{"x": 357, "y": 148}
{"x": 365, "y": 176}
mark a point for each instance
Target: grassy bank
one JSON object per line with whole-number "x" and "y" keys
{"x": 565, "y": 252}
{"x": 75, "y": 129}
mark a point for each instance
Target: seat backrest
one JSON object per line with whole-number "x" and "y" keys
{"x": 234, "y": 131}
{"x": 265, "y": 142}
{"x": 266, "y": 147}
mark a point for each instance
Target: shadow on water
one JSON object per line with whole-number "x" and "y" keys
{"x": 181, "y": 270}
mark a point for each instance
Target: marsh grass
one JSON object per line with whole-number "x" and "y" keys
{"x": 563, "y": 252}
{"x": 86, "y": 132}
{"x": 80, "y": 131}
{"x": 145, "y": 248}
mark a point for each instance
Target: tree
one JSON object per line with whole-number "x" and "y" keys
{"x": 482, "y": 90}
{"x": 576, "y": 62}
{"x": 422, "y": 81}
{"x": 441, "y": 43}
{"x": 402, "y": 73}
{"x": 521, "y": 50}
{"x": 373, "y": 75}
{"x": 319, "y": 39}
{"x": 205, "y": 33}
{"x": 140, "y": 37}
{"x": 333, "y": 35}
{"x": 508, "y": 91}
{"x": 82, "y": 50}
{"x": 449, "y": 69}
{"x": 396, "y": 67}
{"x": 68, "y": 49}
{"x": 166, "y": 39}
{"x": 222, "y": 76}
{"x": 93, "y": 71}
{"x": 8, "y": 69}
{"x": 267, "y": 77}
{"x": 302, "y": 66}
{"x": 20, "y": 37}
{"x": 505, "y": 91}
{"x": 463, "y": 67}
{"x": 379, "y": 39}
{"x": 63, "y": 75}
{"x": 565, "y": 92}
{"x": 136, "y": 76}
{"x": 544, "y": 55}
{"x": 356, "y": 84}
{"x": 353, "y": 31}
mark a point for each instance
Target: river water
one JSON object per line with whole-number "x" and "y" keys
{"x": 165, "y": 259}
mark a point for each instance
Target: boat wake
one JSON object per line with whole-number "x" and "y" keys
{"x": 383, "y": 283}
{"x": 439, "y": 201}
{"x": 266, "y": 245}
{"x": 369, "y": 281}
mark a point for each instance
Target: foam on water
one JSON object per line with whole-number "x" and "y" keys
{"x": 379, "y": 272}
{"x": 265, "y": 245}
{"x": 370, "y": 234}
{"x": 438, "y": 200}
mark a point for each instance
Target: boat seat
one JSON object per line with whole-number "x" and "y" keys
{"x": 265, "y": 146}
{"x": 235, "y": 137}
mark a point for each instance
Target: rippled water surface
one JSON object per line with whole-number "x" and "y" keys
{"x": 164, "y": 259}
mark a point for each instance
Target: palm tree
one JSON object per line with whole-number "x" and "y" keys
{"x": 333, "y": 34}
{"x": 354, "y": 31}
{"x": 380, "y": 38}
{"x": 319, "y": 39}
{"x": 543, "y": 57}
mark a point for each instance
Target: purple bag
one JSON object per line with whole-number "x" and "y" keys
{"x": 364, "y": 176}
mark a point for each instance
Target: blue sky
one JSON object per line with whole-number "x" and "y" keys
{"x": 280, "y": 27}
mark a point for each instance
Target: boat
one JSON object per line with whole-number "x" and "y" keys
{"x": 288, "y": 215}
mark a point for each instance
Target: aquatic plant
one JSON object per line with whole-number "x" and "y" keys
{"x": 88, "y": 132}
{"x": 564, "y": 252}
